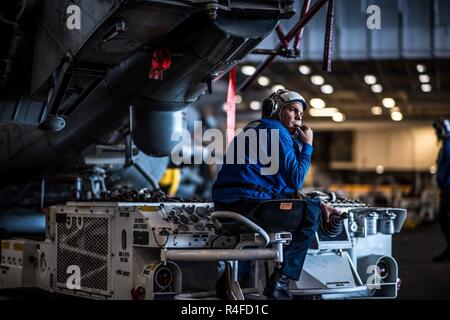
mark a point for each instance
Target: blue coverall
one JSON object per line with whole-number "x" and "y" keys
{"x": 240, "y": 187}
{"x": 443, "y": 179}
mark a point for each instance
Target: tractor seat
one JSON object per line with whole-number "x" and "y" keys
{"x": 232, "y": 227}
{"x": 272, "y": 215}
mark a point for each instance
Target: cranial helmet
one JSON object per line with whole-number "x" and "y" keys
{"x": 442, "y": 128}
{"x": 273, "y": 105}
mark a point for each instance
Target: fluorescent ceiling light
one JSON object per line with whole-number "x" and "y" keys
{"x": 421, "y": 68}
{"x": 426, "y": 87}
{"x": 317, "y": 103}
{"x": 327, "y": 89}
{"x": 255, "y": 105}
{"x": 377, "y": 88}
{"x": 424, "y": 78}
{"x": 396, "y": 116}
{"x": 388, "y": 103}
{"x": 377, "y": 110}
{"x": 370, "y": 79}
{"x": 325, "y": 112}
{"x": 338, "y": 117}
{"x": 305, "y": 70}
{"x": 317, "y": 80}
{"x": 248, "y": 70}
{"x": 263, "y": 81}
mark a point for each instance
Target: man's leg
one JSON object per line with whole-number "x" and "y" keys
{"x": 243, "y": 207}
{"x": 294, "y": 255}
{"x": 444, "y": 220}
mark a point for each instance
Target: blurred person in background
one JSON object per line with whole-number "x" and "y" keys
{"x": 442, "y": 127}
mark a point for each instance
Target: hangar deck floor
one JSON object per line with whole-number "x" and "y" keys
{"x": 421, "y": 277}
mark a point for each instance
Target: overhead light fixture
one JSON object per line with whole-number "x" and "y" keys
{"x": 255, "y": 105}
{"x": 338, "y": 117}
{"x": 370, "y": 79}
{"x": 277, "y": 87}
{"x": 388, "y": 103}
{"x": 305, "y": 70}
{"x": 317, "y": 103}
{"x": 263, "y": 81}
{"x": 325, "y": 112}
{"x": 248, "y": 70}
{"x": 317, "y": 80}
{"x": 396, "y": 116}
{"x": 377, "y": 110}
{"x": 377, "y": 88}
{"x": 426, "y": 87}
{"x": 379, "y": 169}
{"x": 327, "y": 89}
{"x": 238, "y": 99}
{"x": 424, "y": 78}
{"x": 421, "y": 68}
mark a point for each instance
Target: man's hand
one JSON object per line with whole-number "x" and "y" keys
{"x": 328, "y": 211}
{"x": 305, "y": 134}
{"x": 298, "y": 195}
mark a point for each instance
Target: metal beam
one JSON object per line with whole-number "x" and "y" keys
{"x": 298, "y": 26}
{"x": 299, "y": 35}
{"x": 329, "y": 35}
{"x": 211, "y": 255}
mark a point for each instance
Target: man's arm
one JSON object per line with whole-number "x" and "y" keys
{"x": 446, "y": 141}
{"x": 446, "y": 150}
{"x": 293, "y": 169}
{"x": 443, "y": 173}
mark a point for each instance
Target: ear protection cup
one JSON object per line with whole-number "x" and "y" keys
{"x": 269, "y": 107}
{"x": 278, "y": 99}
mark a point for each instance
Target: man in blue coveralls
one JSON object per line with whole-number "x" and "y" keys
{"x": 240, "y": 186}
{"x": 442, "y": 127}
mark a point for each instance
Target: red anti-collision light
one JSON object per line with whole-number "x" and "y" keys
{"x": 161, "y": 61}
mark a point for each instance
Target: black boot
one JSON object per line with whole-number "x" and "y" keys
{"x": 278, "y": 287}
{"x": 221, "y": 287}
{"x": 443, "y": 257}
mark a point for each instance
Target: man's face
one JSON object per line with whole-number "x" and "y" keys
{"x": 291, "y": 116}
